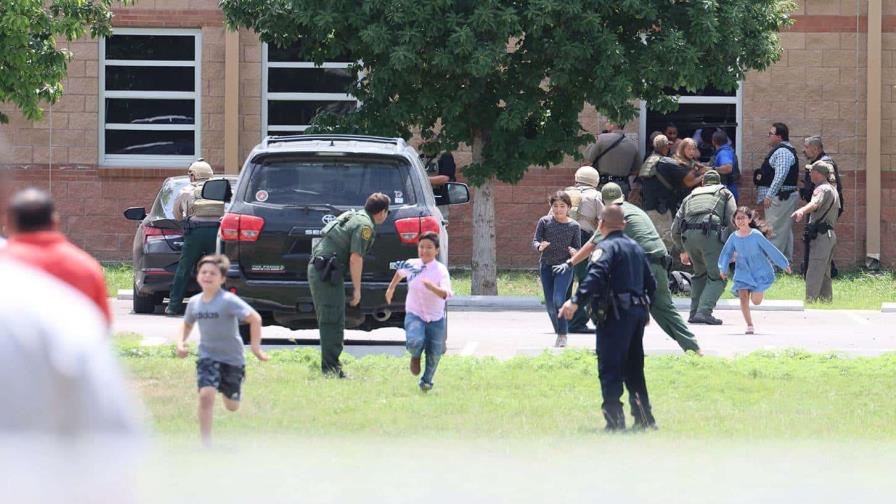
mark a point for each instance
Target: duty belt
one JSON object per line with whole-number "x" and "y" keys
{"x": 613, "y": 178}
{"x": 706, "y": 228}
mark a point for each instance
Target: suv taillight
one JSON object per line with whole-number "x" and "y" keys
{"x": 409, "y": 230}
{"x": 153, "y": 234}
{"x": 237, "y": 227}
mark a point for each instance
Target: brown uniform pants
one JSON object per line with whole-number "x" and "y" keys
{"x": 818, "y": 274}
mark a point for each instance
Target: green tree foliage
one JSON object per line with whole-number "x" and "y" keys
{"x": 32, "y": 67}
{"x": 510, "y": 77}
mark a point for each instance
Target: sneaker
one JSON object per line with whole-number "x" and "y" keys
{"x": 749, "y": 330}
{"x": 561, "y": 341}
{"x": 425, "y": 387}
{"x": 691, "y": 318}
{"x": 415, "y": 366}
{"x": 705, "y": 318}
{"x": 174, "y": 311}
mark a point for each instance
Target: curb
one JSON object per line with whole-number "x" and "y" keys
{"x": 888, "y": 307}
{"x": 531, "y": 303}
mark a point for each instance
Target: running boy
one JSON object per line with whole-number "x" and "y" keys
{"x": 424, "y": 322}
{"x": 222, "y": 364}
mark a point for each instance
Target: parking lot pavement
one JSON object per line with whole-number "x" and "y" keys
{"x": 510, "y": 333}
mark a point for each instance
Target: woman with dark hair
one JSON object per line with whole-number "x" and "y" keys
{"x": 557, "y": 238}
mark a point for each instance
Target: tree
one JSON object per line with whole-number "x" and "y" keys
{"x": 510, "y": 77}
{"x": 31, "y": 66}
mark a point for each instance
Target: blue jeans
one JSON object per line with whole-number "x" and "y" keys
{"x": 555, "y": 287}
{"x": 425, "y": 336}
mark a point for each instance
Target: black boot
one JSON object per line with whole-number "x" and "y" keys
{"x": 615, "y": 418}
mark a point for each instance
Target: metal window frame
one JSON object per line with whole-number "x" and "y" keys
{"x": 266, "y": 96}
{"x": 143, "y": 160}
{"x": 737, "y": 100}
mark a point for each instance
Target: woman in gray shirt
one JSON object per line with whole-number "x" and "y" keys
{"x": 557, "y": 237}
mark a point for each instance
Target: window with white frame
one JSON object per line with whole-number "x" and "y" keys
{"x": 295, "y": 91}
{"x": 698, "y": 115}
{"x": 150, "y": 82}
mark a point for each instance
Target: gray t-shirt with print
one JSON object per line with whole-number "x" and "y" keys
{"x": 219, "y": 335}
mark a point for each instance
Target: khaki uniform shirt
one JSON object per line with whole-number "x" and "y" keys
{"x": 640, "y": 228}
{"x": 590, "y": 207}
{"x": 825, "y": 197}
{"x": 622, "y": 161}
{"x": 183, "y": 205}
{"x": 351, "y": 232}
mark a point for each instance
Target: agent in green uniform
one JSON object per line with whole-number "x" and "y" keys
{"x": 701, "y": 226}
{"x": 639, "y": 227}
{"x": 343, "y": 244}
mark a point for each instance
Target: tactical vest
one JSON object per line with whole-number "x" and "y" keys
{"x": 576, "y": 194}
{"x": 202, "y": 207}
{"x": 648, "y": 169}
{"x": 764, "y": 176}
{"x": 706, "y": 201}
{"x": 659, "y": 193}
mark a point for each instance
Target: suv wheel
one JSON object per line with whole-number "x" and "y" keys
{"x": 143, "y": 304}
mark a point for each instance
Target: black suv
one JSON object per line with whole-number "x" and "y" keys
{"x": 290, "y": 188}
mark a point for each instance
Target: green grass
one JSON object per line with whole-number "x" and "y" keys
{"x": 853, "y": 290}
{"x": 118, "y": 276}
{"x": 791, "y": 395}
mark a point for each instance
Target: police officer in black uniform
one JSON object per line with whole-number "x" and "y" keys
{"x": 620, "y": 286}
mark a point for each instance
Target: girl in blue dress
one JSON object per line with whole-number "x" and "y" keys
{"x": 754, "y": 255}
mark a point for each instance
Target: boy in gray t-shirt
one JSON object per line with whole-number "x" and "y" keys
{"x": 221, "y": 364}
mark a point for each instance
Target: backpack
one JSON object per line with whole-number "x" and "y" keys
{"x": 575, "y": 196}
{"x": 202, "y": 207}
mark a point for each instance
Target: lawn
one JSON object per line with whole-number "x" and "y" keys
{"x": 791, "y": 395}
{"x": 118, "y": 276}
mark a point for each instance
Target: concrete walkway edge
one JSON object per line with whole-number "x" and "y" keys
{"x": 888, "y": 307}
{"x": 531, "y": 303}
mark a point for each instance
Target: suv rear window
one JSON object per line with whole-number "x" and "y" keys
{"x": 334, "y": 182}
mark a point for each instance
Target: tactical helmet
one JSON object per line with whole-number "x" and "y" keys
{"x": 201, "y": 170}
{"x": 587, "y": 175}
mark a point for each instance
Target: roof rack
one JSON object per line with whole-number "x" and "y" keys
{"x": 316, "y": 138}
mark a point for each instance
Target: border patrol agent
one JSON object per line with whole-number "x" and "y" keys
{"x": 701, "y": 226}
{"x": 344, "y": 243}
{"x": 587, "y": 204}
{"x": 638, "y": 227}
{"x": 200, "y": 219}
{"x": 819, "y": 236}
{"x": 619, "y": 285}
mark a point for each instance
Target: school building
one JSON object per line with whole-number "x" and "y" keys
{"x": 172, "y": 85}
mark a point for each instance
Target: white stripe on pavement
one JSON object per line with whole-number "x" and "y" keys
{"x": 469, "y": 348}
{"x": 857, "y": 319}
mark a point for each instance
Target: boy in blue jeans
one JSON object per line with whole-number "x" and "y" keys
{"x": 222, "y": 364}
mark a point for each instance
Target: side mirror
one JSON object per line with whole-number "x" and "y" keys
{"x": 457, "y": 193}
{"x": 135, "y": 213}
{"x": 217, "y": 190}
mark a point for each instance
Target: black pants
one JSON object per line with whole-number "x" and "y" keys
{"x": 620, "y": 360}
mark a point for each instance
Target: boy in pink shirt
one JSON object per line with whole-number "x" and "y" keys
{"x": 424, "y": 322}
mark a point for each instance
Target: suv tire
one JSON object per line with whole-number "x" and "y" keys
{"x": 144, "y": 304}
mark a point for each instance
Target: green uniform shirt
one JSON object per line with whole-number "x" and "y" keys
{"x": 351, "y": 232}
{"x": 639, "y": 227}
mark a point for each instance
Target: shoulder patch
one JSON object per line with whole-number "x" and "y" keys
{"x": 366, "y": 233}
{"x": 597, "y": 254}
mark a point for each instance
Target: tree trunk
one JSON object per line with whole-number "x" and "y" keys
{"x": 484, "y": 267}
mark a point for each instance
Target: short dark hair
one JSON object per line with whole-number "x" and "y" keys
{"x": 376, "y": 203}
{"x": 670, "y": 125}
{"x": 561, "y": 196}
{"x": 782, "y": 131}
{"x": 719, "y": 137}
{"x": 431, "y": 236}
{"x": 218, "y": 260}
{"x": 31, "y": 210}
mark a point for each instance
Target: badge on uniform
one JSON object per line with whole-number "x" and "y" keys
{"x": 366, "y": 233}
{"x": 596, "y": 255}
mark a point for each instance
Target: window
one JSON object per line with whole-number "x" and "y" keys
{"x": 698, "y": 112}
{"x": 295, "y": 91}
{"x": 150, "y": 101}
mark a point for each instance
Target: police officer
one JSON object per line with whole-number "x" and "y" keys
{"x": 343, "y": 244}
{"x": 615, "y": 157}
{"x": 620, "y": 286}
{"x": 662, "y": 186}
{"x": 199, "y": 219}
{"x": 639, "y": 228}
{"x": 819, "y": 236}
{"x": 586, "y": 208}
{"x": 701, "y": 226}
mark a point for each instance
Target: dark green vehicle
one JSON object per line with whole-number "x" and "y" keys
{"x": 290, "y": 188}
